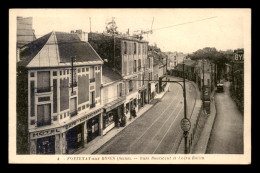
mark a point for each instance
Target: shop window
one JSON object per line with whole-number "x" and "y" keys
{"x": 43, "y": 115}
{"x": 108, "y": 119}
{"x": 46, "y": 145}
{"x": 43, "y": 81}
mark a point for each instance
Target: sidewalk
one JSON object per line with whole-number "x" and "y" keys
{"x": 201, "y": 146}
{"x": 99, "y": 141}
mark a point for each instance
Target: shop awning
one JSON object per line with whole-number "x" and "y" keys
{"x": 114, "y": 104}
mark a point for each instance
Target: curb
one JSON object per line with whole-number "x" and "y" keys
{"x": 210, "y": 122}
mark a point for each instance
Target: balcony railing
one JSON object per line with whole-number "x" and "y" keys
{"x": 43, "y": 89}
{"x": 92, "y": 80}
{"x": 75, "y": 84}
{"x": 73, "y": 113}
{"x": 92, "y": 105}
{"x": 41, "y": 123}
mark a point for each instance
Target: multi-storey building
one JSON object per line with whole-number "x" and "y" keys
{"x": 113, "y": 98}
{"x": 25, "y": 32}
{"x": 61, "y": 88}
{"x": 125, "y": 55}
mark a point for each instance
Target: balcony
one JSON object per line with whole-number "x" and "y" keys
{"x": 92, "y": 80}
{"x": 92, "y": 105}
{"x": 73, "y": 113}
{"x": 42, "y": 123}
{"x": 75, "y": 84}
{"x": 43, "y": 89}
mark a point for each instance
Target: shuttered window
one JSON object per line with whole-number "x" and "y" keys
{"x": 43, "y": 81}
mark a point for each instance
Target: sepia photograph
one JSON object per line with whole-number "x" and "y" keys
{"x": 130, "y": 86}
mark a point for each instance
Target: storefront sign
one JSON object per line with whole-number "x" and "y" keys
{"x": 86, "y": 117}
{"x": 185, "y": 124}
{"x": 45, "y": 133}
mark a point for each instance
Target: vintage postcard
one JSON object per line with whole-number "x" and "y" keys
{"x": 130, "y": 86}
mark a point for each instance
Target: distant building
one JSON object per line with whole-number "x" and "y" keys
{"x": 25, "y": 33}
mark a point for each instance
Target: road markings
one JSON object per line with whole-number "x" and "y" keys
{"x": 153, "y": 122}
{"x": 168, "y": 130}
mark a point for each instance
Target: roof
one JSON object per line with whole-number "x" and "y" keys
{"x": 156, "y": 58}
{"x": 108, "y": 75}
{"x": 55, "y": 48}
{"x": 190, "y": 62}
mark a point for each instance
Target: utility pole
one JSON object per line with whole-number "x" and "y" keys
{"x": 185, "y": 133}
{"x": 203, "y": 84}
{"x": 90, "y": 24}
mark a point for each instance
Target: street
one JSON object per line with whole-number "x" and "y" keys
{"x": 158, "y": 130}
{"x": 227, "y": 133}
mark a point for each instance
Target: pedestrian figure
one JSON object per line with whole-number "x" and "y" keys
{"x": 133, "y": 111}
{"x": 123, "y": 120}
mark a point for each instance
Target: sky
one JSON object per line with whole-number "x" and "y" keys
{"x": 224, "y": 29}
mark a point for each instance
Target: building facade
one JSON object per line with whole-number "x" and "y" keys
{"x": 64, "y": 95}
{"x": 126, "y": 56}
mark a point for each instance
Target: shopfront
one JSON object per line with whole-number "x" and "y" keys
{"x": 129, "y": 106}
{"x": 93, "y": 129}
{"x": 112, "y": 114}
{"x": 46, "y": 145}
{"x": 75, "y": 138}
{"x": 143, "y": 98}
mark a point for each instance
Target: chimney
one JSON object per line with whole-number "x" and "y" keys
{"x": 18, "y": 54}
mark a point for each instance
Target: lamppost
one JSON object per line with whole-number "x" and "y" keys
{"x": 73, "y": 58}
{"x": 185, "y": 122}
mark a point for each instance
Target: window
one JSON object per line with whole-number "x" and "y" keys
{"x": 73, "y": 106}
{"x": 60, "y": 73}
{"x": 125, "y": 48}
{"x": 64, "y": 72}
{"x": 43, "y": 81}
{"x": 139, "y": 49}
{"x": 54, "y": 73}
{"x": 130, "y": 85}
{"x": 32, "y": 74}
{"x": 134, "y": 48}
{"x": 139, "y": 65}
{"x": 87, "y": 69}
{"x": 134, "y": 65}
{"x": 92, "y": 75}
{"x": 119, "y": 90}
{"x": 83, "y": 69}
{"x": 79, "y": 70}
{"x": 92, "y": 99}
{"x": 43, "y": 115}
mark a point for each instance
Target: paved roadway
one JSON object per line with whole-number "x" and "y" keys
{"x": 158, "y": 130}
{"x": 227, "y": 133}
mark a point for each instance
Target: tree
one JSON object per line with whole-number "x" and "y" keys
{"x": 111, "y": 27}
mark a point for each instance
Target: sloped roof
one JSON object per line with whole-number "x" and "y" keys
{"x": 156, "y": 57}
{"x": 55, "y": 48}
{"x": 29, "y": 51}
{"x": 108, "y": 75}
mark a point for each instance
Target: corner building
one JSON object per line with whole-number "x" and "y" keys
{"x": 64, "y": 96}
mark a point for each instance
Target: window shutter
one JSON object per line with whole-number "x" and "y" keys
{"x": 123, "y": 89}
